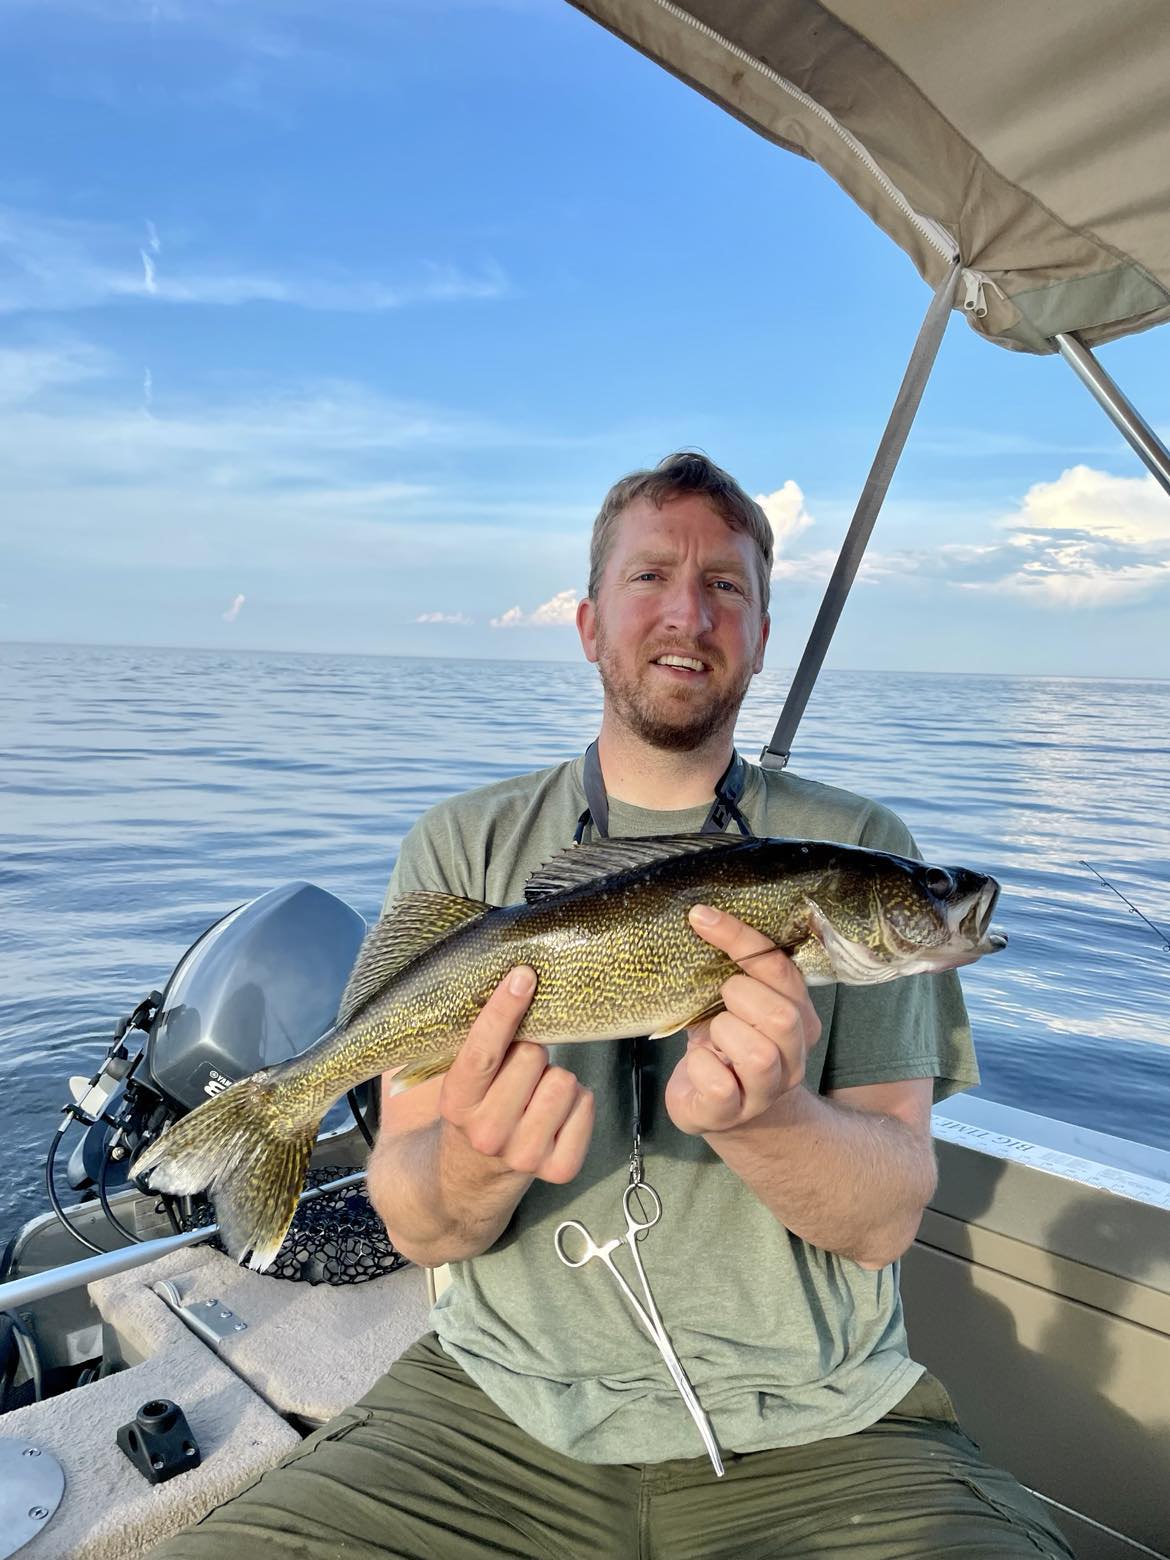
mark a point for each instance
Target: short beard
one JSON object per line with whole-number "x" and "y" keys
{"x": 638, "y": 713}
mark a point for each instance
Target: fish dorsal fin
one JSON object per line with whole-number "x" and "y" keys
{"x": 582, "y": 864}
{"x": 410, "y": 925}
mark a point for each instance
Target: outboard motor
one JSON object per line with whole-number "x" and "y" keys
{"x": 258, "y": 987}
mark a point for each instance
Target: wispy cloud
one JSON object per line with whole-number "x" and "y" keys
{"x": 63, "y": 263}
{"x": 233, "y": 611}
{"x": 26, "y": 371}
{"x": 444, "y": 617}
{"x": 327, "y": 480}
{"x": 559, "y": 611}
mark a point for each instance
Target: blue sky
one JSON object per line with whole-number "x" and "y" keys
{"x": 326, "y": 328}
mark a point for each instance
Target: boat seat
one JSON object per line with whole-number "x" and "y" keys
{"x": 284, "y": 1351}
{"x": 108, "y": 1510}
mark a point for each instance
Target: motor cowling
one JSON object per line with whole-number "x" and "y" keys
{"x": 258, "y": 987}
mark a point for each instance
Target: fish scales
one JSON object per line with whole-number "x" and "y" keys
{"x": 613, "y": 959}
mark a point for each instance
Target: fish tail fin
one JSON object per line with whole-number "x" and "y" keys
{"x": 247, "y": 1156}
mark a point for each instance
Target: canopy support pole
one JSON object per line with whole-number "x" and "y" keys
{"x": 1125, "y": 416}
{"x": 775, "y": 755}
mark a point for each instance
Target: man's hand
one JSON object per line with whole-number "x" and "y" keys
{"x": 744, "y": 1060}
{"x": 506, "y": 1100}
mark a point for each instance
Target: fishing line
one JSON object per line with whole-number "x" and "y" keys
{"x": 1163, "y": 937}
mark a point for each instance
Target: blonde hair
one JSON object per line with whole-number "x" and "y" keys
{"x": 686, "y": 471}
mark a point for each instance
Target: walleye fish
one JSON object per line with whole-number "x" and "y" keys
{"x": 605, "y": 927}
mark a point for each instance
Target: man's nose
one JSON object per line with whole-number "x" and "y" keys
{"x": 688, "y": 606}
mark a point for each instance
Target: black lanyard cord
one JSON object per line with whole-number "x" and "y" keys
{"x": 723, "y": 811}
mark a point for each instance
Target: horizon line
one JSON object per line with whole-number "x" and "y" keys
{"x": 410, "y": 655}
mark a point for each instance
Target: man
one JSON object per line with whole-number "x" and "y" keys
{"x": 788, "y": 1137}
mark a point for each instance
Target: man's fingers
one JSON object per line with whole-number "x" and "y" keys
{"x": 489, "y": 1124}
{"x": 750, "y": 949}
{"x": 474, "y": 1069}
{"x": 760, "y": 1005}
{"x": 572, "y": 1141}
{"x": 761, "y": 1064}
{"x": 505, "y": 1098}
{"x": 552, "y": 1102}
{"x": 712, "y": 1080}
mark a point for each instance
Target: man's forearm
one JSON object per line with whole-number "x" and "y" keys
{"x": 846, "y": 1180}
{"x": 439, "y": 1199}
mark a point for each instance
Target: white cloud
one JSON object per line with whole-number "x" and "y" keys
{"x": 558, "y": 612}
{"x": 1132, "y": 511}
{"x": 1086, "y": 539}
{"x": 786, "y": 512}
{"x": 152, "y": 238}
{"x": 443, "y": 617}
{"x": 233, "y": 611}
{"x": 60, "y": 263}
{"x": 1084, "y": 581}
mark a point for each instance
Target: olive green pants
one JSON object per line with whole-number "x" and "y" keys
{"x": 426, "y": 1467}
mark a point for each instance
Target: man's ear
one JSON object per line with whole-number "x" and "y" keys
{"x": 765, "y": 629}
{"x": 587, "y": 628}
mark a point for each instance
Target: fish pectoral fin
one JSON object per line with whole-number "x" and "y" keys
{"x": 695, "y": 1019}
{"x": 410, "y": 925}
{"x": 418, "y": 1072}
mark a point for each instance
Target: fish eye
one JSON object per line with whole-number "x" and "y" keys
{"x": 940, "y": 882}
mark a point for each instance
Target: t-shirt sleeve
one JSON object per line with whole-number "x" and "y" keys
{"x": 431, "y": 857}
{"x": 915, "y": 1027}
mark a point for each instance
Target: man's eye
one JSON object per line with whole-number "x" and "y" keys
{"x": 725, "y": 585}
{"x": 646, "y": 574}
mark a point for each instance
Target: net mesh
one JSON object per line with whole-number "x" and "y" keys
{"x": 335, "y": 1239}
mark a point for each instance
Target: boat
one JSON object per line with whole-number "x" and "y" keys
{"x": 1017, "y": 154}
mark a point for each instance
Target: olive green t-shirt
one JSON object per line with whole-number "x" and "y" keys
{"x": 783, "y": 1342}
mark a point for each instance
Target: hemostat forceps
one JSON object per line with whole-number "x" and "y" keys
{"x": 645, "y": 1309}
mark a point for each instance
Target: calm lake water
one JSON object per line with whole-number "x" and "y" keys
{"x": 145, "y": 792}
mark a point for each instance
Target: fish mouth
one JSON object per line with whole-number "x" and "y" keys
{"x": 971, "y": 934}
{"x": 969, "y": 937}
{"x": 969, "y": 919}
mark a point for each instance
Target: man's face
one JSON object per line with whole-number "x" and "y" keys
{"x": 679, "y": 583}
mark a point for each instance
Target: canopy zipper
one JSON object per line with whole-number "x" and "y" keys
{"x": 975, "y": 284}
{"x": 936, "y": 236}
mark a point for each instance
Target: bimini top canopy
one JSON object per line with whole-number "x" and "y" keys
{"x": 1030, "y": 137}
